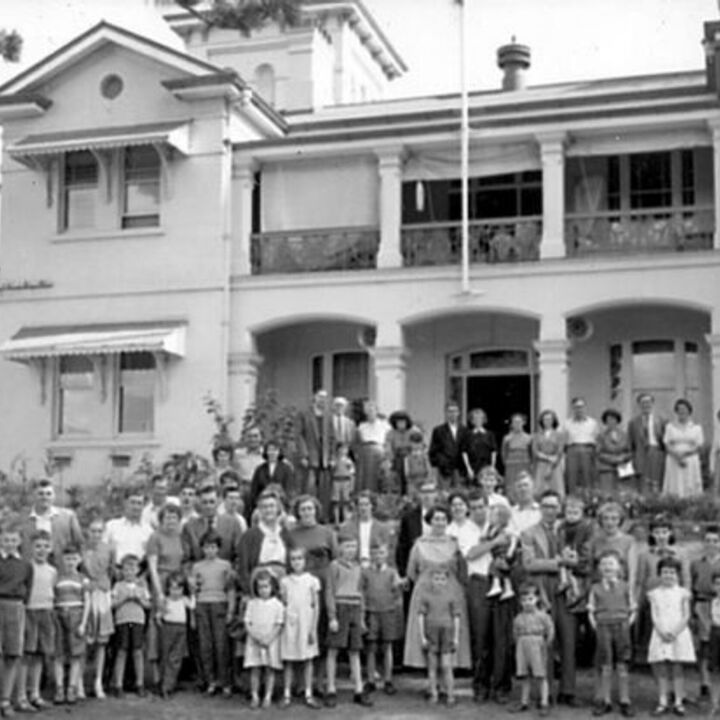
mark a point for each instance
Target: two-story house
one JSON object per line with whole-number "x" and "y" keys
{"x": 252, "y": 214}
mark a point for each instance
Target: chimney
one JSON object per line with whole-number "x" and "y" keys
{"x": 513, "y": 59}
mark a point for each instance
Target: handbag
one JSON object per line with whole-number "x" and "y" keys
{"x": 626, "y": 470}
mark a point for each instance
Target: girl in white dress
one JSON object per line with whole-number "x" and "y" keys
{"x": 300, "y": 592}
{"x": 264, "y": 616}
{"x": 671, "y": 644}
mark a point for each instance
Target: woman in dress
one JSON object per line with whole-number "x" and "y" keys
{"x": 274, "y": 471}
{"x": 612, "y": 450}
{"x": 435, "y": 550}
{"x": 683, "y": 441}
{"x": 547, "y": 448}
{"x": 264, "y": 545}
{"x": 480, "y": 448}
{"x": 372, "y": 435}
{"x": 516, "y": 450}
{"x": 164, "y": 556}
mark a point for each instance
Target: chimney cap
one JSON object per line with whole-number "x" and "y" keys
{"x": 514, "y": 53}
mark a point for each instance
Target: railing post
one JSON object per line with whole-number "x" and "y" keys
{"x": 715, "y": 130}
{"x": 552, "y": 154}
{"x": 390, "y": 206}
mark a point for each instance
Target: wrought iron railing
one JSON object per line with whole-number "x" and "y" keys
{"x": 496, "y": 241}
{"x": 672, "y": 229}
{"x": 301, "y": 251}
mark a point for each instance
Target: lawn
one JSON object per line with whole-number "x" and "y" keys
{"x": 408, "y": 704}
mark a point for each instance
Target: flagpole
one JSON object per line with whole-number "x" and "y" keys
{"x": 464, "y": 152}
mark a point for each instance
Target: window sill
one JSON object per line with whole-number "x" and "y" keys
{"x": 113, "y": 444}
{"x": 100, "y": 235}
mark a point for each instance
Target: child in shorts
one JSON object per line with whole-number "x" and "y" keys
{"x": 343, "y": 482}
{"x": 533, "y": 632}
{"x": 15, "y": 584}
{"x": 611, "y": 611}
{"x": 72, "y": 608}
{"x": 130, "y": 601}
{"x": 39, "y": 624}
{"x": 346, "y": 624}
{"x": 382, "y": 588}
{"x": 439, "y": 620}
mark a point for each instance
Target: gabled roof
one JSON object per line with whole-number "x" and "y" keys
{"x": 86, "y": 43}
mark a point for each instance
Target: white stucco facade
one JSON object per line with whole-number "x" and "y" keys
{"x": 320, "y": 248}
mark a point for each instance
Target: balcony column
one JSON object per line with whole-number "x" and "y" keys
{"x": 715, "y": 130}
{"x": 390, "y": 163}
{"x": 552, "y": 155}
{"x": 243, "y": 183}
{"x": 389, "y": 368}
{"x": 243, "y": 366}
{"x": 552, "y": 348}
{"x": 713, "y": 341}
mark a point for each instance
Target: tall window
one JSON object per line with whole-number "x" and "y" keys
{"x": 80, "y": 180}
{"x": 667, "y": 369}
{"x": 136, "y": 393}
{"x": 343, "y": 374}
{"x": 77, "y": 398}
{"x": 141, "y": 191}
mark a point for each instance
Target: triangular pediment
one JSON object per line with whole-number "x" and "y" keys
{"x": 94, "y": 39}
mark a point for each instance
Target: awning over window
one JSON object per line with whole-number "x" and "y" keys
{"x": 174, "y": 135}
{"x": 32, "y": 343}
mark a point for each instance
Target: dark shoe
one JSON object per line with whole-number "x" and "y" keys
{"x": 59, "y": 698}
{"x": 451, "y": 701}
{"x": 6, "y": 710}
{"x": 370, "y": 687}
{"x": 519, "y": 708}
{"x": 331, "y": 700}
{"x": 164, "y": 694}
{"x": 627, "y": 710}
{"x": 140, "y": 691}
{"x": 602, "y": 708}
{"x": 389, "y": 688}
{"x": 286, "y": 702}
{"x": 704, "y": 692}
{"x": 311, "y": 702}
{"x": 39, "y": 703}
{"x": 544, "y": 710}
{"x": 679, "y": 710}
{"x": 25, "y": 706}
{"x": 363, "y": 699}
{"x": 660, "y": 710}
{"x": 567, "y": 700}
{"x": 502, "y": 698}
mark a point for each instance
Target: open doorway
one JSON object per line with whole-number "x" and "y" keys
{"x": 500, "y": 396}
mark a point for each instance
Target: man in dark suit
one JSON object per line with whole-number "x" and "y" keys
{"x": 446, "y": 444}
{"x": 412, "y": 524}
{"x": 316, "y": 447}
{"x": 645, "y": 434}
{"x": 543, "y": 556}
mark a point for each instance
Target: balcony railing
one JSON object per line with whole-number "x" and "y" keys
{"x": 301, "y": 251}
{"x": 672, "y": 229}
{"x": 502, "y": 240}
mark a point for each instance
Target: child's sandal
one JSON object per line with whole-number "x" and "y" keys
{"x": 660, "y": 710}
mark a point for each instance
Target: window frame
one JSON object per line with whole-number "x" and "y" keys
{"x": 64, "y": 186}
{"x": 123, "y": 184}
{"x": 326, "y": 361}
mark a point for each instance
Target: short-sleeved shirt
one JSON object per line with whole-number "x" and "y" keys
{"x": 533, "y": 623}
{"x": 127, "y": 538}
{"x": 42, "y": 589}
{"x": 168, "y": 549}
{"x": 128, "y": 598}
{"x": 438, "y": 606}
{"x": 70, "y": 590}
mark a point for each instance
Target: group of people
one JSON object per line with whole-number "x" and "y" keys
{"x": 238, "y": 571}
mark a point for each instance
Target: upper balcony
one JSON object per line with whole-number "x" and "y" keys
{"x": 599, "y": 206}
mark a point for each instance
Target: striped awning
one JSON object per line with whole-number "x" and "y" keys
{"x": 34, "y": 343}
{"x": 173, "y": 135}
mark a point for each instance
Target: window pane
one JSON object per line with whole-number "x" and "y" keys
{"x": 137, "y": 393}
{"x": 499, "y": 359}
{"x": 650, "y": 180}
{"x": 692, "y": 366}
{"x": 350, "y": 375}
{"x": 77, "y": 400}
{"x": 318, "y": 372}
{"x": 142, "y": 188}
{"x": 654, "y": 370}
{"x": 80, "y": 191}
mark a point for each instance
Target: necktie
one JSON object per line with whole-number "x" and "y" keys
{"x": 551, "y": 541}
{"x": 646, "y": 428}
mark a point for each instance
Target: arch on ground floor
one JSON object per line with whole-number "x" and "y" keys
{"x": 620, "y": 302}
{"x": 289, "y": 319}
